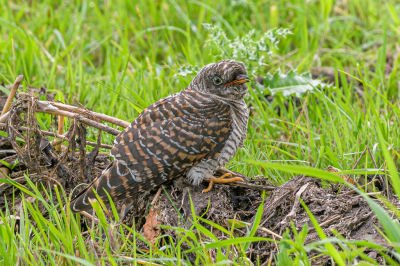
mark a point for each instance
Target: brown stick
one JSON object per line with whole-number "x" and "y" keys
{"x": 90, "y": 216}
{"x": 372, "y": 157}
{"x": 269, "y": 232}
{"x": 12, "y": 94}
{"x": 296, "y": 204}
{"x": 4, "y": 117}
{"x": 249, "y": 185}
{"x": 82, "y": 119}
{"x": 60, "y": 130}
{"x": 330, "y": 220}
{"x": 52, "y": 134}
{"x": 77, "y": 110}
{"x": 359, "y": 159}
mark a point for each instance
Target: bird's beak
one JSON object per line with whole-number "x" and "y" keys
{"x": 239, "y": 80}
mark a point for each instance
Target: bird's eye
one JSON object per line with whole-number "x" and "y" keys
{"x": 217, "y": 81}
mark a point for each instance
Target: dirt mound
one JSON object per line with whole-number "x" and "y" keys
{"x": 346, "y": 212}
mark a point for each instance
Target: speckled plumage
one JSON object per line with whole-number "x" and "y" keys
{"x": 192, "y": 133}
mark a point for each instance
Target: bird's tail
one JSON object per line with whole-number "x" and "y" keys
{"x": 82, "y": 201}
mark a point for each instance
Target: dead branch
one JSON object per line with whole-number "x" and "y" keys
{"x": 10, "y": 98}
{"x": 78, "y": 110}
{"x": 250, "y": 186}
{"x": 52, "y": 134}
{"x": 4, "y": 117}
{"x": 78, "y": 117}
{"x": 60, "y": 130}
{"x": 296, "y": 204}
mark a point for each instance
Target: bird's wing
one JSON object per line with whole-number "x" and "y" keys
{"x": 165, "y": 141}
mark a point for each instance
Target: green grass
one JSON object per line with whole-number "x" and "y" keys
{"x": 118, "y": 57}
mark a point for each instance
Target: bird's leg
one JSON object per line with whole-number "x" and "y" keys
{"x": 220, "y": 179}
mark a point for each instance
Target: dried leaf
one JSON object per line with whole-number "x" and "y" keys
{"x": 151, "y": 231}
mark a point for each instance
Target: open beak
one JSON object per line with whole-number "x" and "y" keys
{"x": 239, "y": 80}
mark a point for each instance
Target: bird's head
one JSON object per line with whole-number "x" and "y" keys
{"x": 226, "y": 79}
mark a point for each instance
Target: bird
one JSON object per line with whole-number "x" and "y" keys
{"x": 191, "y": 133}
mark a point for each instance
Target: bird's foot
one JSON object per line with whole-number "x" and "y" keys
{"x": 220, "y": 179}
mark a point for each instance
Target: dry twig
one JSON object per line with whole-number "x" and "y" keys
{"x": 250, "y": 186}
{"x": 78, "y": 110}
{"x": 296, "y": 204}
{"x": 60, "y": 130}
{"x": 90, "y": 216}
{"x": 80, "y": 118}
{"x": 12, "y": 94}
{"x": 52, "y": 134}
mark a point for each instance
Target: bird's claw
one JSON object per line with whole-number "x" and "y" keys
{"x": 220, "y": 179}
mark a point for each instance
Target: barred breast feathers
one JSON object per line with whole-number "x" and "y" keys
{"x": 239, "y": 116}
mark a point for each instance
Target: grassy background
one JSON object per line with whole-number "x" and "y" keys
{"x": 117, "y": 57}
{"x": 102, "y": 54}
